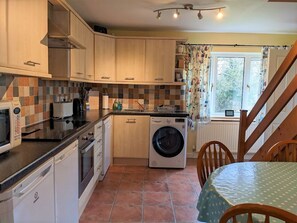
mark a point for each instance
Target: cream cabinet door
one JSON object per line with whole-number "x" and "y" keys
{"x": 130, "y": 60}
{"x": 131, "y": 136}
{"x": 104, "y": 58}
{"x": 3, "y": 33}
{"x": 159, "y": 60}
{"x": 27, "y": 33}
{"x": 77, "y": 63}
{"x": 77, "y": 29}
{"x": 89, "y": 54}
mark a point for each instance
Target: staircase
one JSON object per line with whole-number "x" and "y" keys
{"x": 286, "y": 130}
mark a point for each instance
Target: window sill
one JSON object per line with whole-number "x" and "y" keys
{"x": 225, "y": 119}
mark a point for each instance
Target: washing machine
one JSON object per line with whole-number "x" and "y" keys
{"x": 168, "y": 142}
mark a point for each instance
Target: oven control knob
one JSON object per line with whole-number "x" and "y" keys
{"x": 84, "y": 138}
{"x": 90, "y": 133}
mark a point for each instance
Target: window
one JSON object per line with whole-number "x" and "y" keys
{"x": 235, "y": 82}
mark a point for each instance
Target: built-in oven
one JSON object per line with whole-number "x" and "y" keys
{"x": 86, "y": 143}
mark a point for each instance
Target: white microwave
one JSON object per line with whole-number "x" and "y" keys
{"x": 10, "y": 125}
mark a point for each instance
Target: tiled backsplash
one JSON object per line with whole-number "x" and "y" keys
{"x": 36, "y": 95}
{"x": 151, "y": 96}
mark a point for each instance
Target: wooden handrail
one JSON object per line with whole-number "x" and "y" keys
{"x": 282, "y": 101}
{"x": 277, "y": 78}
{"x": 246, "y": 120}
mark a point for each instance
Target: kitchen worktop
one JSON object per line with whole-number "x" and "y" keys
{"x": 21, "y": 160}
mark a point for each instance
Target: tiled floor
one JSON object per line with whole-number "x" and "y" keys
{"x": 140, "y": 194}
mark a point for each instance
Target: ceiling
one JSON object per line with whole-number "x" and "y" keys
{"x": 240, "y": 16}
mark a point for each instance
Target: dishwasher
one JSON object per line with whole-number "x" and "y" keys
{"x": 31, "y": 200}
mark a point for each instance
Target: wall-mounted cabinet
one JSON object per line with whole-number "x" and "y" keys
{"x": 130, "y": 60}
{"x": 104, "y": 58}
{"x": 23, "y": 37}
{"x": 159, "y": 60}
{"x": 89, "y": 43}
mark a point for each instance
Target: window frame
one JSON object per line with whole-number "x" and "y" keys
{"x": 248, "y": 58}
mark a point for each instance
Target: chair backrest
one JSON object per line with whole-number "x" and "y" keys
{"x": 283, "y": 151}
{"x": 212, "y": 155}
{"x": 250, "y": 209}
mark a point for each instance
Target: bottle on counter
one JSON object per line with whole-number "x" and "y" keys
{"x": 120, "y": 106}
{"x": 115, "y": 104}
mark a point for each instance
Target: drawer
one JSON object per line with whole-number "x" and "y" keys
{"x": 97, "y": 145}
{"x": 97, "y": 156}
{"x": 98, "y": 129}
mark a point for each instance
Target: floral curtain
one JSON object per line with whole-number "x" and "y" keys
{"x": 197, "y": 78}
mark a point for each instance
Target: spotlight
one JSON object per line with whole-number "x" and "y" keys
{"x": 176, "y": 14}
{"x": 199, "y": 15}
{"x": 159, "y": 15}
{"x": 220, "y": 14}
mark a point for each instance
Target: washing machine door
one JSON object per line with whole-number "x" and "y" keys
{"x": 168, "y": 141}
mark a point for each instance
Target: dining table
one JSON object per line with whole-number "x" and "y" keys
{"x": 270, "y": 183}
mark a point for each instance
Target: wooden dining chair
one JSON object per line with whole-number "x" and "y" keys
{"x": 283, "y": 151}
{"x": 212, "y": 155}
{"x": 250, "y": 209}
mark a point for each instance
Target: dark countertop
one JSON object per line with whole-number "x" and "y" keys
{"x": 21, "y": 160}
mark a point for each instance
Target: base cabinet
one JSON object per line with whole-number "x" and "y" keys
{"x": 131, "y": 136}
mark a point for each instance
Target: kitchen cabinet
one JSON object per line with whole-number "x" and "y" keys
{"x": 78, "y": 64}
{"x": 159, "y": 60}
{"x": 98, "y": 154}
{"x": 27, "y": 35}
{"x": 104, "y": 58}
{"x": 66, "y": 184}
{"x": 3, "y": 33}
{"x": 130, "y": 59}
{"x": 107, "y": 140}
{"x": 131, "y": 136}
{"x": 89, "y": 43}
{"x": 77, "y": 29}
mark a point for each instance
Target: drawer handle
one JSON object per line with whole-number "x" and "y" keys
{"x": 106, "y": 78}
{"x": 131, "y": 120}
{"x": 159, "y": 79}
{"x": 99, "y": 127}
{"x": 31, "y": 63}
{"x": 79, "y": 73}
{"x": 129, "y": 78}
{"x": 99, "y": 140}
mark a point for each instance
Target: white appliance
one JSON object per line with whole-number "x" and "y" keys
{"x": 105, "y": 102}
{"x": 32, "y": 199}
{"x": 10, "y": 125}
{"x": 63, "y": 109}
{"x": 66, "y": 188}
{"x": 168, "y": 142}
{"x": 107, "y": 143}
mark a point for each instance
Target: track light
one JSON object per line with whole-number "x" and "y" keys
{"x": 159, "y": 15}
{"x": 220, "y": 14}
{"x": 189, "y": 7}
{"x": 199, "y": 15}
{"x": 176, "y": 14}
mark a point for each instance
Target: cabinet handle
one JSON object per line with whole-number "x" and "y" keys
{"x": 106, "y": 78}
{"x": 99, "y": 140}
{"x": 129, "y": 78}
{"x": 131, "y": 120}
{"x": 31, "y": 63}
{"x": 159, "y": 79}
{"x": 79, "y": 73}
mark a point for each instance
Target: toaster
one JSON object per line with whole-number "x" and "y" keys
{"x": 62, "y": 109}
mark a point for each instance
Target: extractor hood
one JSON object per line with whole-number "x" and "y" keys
{"x": 59, "y": 35}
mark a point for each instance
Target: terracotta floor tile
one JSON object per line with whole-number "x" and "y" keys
{"x": 156, "y": 198}
{"x": 185, "y": 214}
{"x": 116, "y": 169}
{"x": 155, "y": 176}
{"x": 103, "y": 197}
{"x": 113, "y": 176}
{"x": 155, "y": 186}
{"x": 131, "y": 186}
{"x": 126, "y": 213}
{"x": 107, "y": 185}
{"x": 178, "y": 178}
{"x": 159, "y": 213}
{"x": 132, "y": 198}
{"x": 96, "y": 213}
{"x": 179, "y": 187}
{"x": 136, "y": 169}
{"x": 133, "y": 177}
{"x": 184, "y": 198}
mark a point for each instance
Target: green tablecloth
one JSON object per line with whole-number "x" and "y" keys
{"x": 272, "y": 183}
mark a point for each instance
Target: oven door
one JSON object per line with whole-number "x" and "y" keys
{"x": 86, "y": 166}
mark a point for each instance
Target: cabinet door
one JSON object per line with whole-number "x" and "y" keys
{"x": 89, "y": 55}
{"x": 78, "y": 57}
{"x": 77, "y": 29}
{"x": 3, "y": 32}
{"x": 27, "y": 33}
{"x": 131, "y": 136}
{"x": 130, "y": 59}
{"x": 104, "y": 58}
{"x": 159, "y": 60}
